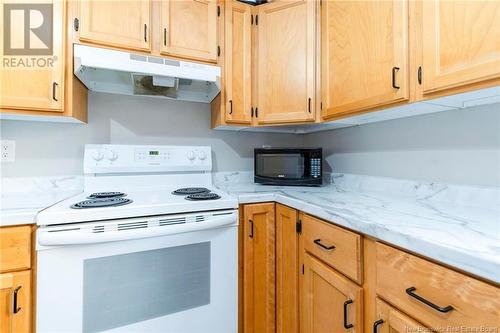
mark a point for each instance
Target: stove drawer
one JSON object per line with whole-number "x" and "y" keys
{"x": 15, "y": 248}
{"x": 434, "y": 295}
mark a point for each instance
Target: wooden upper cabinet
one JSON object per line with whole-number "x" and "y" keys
{"x": 259, "y": 312}
{"x": 122, "y": 24}
{"x": 189, "y": 29}
{"x": 390, "y": 320}
{"x": 287, "y": 270}
{"x": 39, "y": 88}
{"x": 286, "y": 39}
{"x": 364, "y": 55}
{"x": 330, "y": 303}
{"x": 238, "y": 62}
{"x": 461, "y": 43}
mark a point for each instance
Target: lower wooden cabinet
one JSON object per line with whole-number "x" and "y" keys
{"x": 330, "y": 302}
{"x": 287, "y": 270}
{"x": 15, "y": 302}
{"x": 259, "y": 305}
{"x": 390, "y": 320}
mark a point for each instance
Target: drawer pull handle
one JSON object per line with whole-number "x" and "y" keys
{"x": 54, "y": 87}
{"x": 15, "y": 308}
{"x": 346, "y": 324}
{"x": 410, "y": 291}
{"x": 251, "y": 228}
{"x": 394, "y": 71}
{"x": 327, "y": 248}
{"x": 376, "y": 324}
{"x": 230, "y": 106}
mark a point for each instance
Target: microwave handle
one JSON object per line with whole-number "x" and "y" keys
{"x": 85, "y": 236}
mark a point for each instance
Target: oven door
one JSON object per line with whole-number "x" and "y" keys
{"x": 175, "y": 282}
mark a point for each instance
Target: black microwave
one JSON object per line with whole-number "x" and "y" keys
{"x": 288, "y": 166}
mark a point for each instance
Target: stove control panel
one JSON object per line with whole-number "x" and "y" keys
{"x": 144, "y": 159}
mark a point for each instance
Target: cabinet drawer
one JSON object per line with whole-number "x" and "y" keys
{"x": 336, "y": 246}
{"x": 441, "y": 296}
{"x": 15, "y": 248}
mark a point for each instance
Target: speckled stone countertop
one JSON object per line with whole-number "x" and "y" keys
{"x": 456, "y": 225}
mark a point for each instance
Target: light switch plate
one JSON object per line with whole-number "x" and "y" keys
{"x": 7, "y": 150}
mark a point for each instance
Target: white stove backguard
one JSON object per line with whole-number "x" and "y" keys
{"x": 126, "y": 167}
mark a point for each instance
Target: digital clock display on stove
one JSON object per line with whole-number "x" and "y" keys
{"x": 154, "y": 153}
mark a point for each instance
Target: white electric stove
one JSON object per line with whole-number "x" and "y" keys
{"x": 149, "y": 246}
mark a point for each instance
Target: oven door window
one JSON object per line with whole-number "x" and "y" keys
{"x": 128, "y": 288}
{"x": 287, "y": 166}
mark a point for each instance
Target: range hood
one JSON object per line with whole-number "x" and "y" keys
{"x": 126, "y": 73}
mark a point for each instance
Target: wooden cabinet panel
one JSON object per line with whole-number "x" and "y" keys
{"x": 15, "y": 286}
{"x": 189, "y": 29}
{"x": 15, "y": 248}
{"x": 336, "y": 246}
{"x": 41, "y": 86}
{"x": 461, "y": 43}
{"x": 287, "y": 270}
{"x": 363, "y": 44}
{"x": 259, "y": 268}
{"x": 326, "y": 296}
{"x": 286, "y": 61}
{"x": 122, "y": 24}
{"x": 390, "y": 320}
{"x": 474, "y": 303}
{"x": 238, "y": 62}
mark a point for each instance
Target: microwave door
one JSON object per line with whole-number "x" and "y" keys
{"x": 280, "y": 166}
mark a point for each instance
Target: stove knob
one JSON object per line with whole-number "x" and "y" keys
{"x": 112, "y": 155}
{"x": 202, "y": 155}
{"x": 190, "y": 155}
{"x": 97, "y": 155}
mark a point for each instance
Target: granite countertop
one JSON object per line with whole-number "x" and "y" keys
{"x": 455, "y": 225}
{"x": 22, "y": 198}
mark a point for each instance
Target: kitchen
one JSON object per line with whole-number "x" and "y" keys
{"x": 401, "y": 235}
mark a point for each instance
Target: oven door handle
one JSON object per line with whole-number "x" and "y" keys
{"x": 78, "y": 235}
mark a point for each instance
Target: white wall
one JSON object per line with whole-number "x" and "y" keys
{"x": 458, "y": 146}
{"x": 46, "y": 149}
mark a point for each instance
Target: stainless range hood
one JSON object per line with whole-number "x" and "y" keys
{"x": 126, "y": 73}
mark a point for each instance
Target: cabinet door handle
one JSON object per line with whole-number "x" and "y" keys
{"x": 251, "y": 228}
{"x": 376, "y": 324}
{"x": 145, "y": 32}
{"x": 54, "y": 87}
{"x": 394, "y": 72}
{"x": 323, "y": 246}
{"x": 165, "y": 36}
{"x": 309, "y": 104}
{"x": 15, "y": 308}
{"x": 230, "y": 106}
{"x": 410, "y": 291}
{"x": 346, "y": 324}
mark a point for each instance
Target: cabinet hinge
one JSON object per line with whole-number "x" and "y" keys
{"x": 256, "y": 19}
{"x": 76, "y": 24}
{"x": 419, "y": 74}
{"x": 298, "y": 226}
{"x": 218, "y": 51}
{"x": 218, "y": 10}
{"x": 302, "y": 269}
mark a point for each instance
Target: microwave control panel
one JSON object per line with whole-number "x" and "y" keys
{"x": 315, "y": 167}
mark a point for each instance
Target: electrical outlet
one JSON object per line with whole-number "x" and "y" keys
{"x": 7, "y": 150}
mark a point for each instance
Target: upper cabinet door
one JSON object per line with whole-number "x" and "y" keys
{"x": 37, "y": 87}
{"x": 364, "y": 55}
{"x": 286, "y": 61}
{"x": 461, "y": 43}
{"x": 189, "y": 29}
{"x": 122, "y": 24}
{"x": 238, "y": 62}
